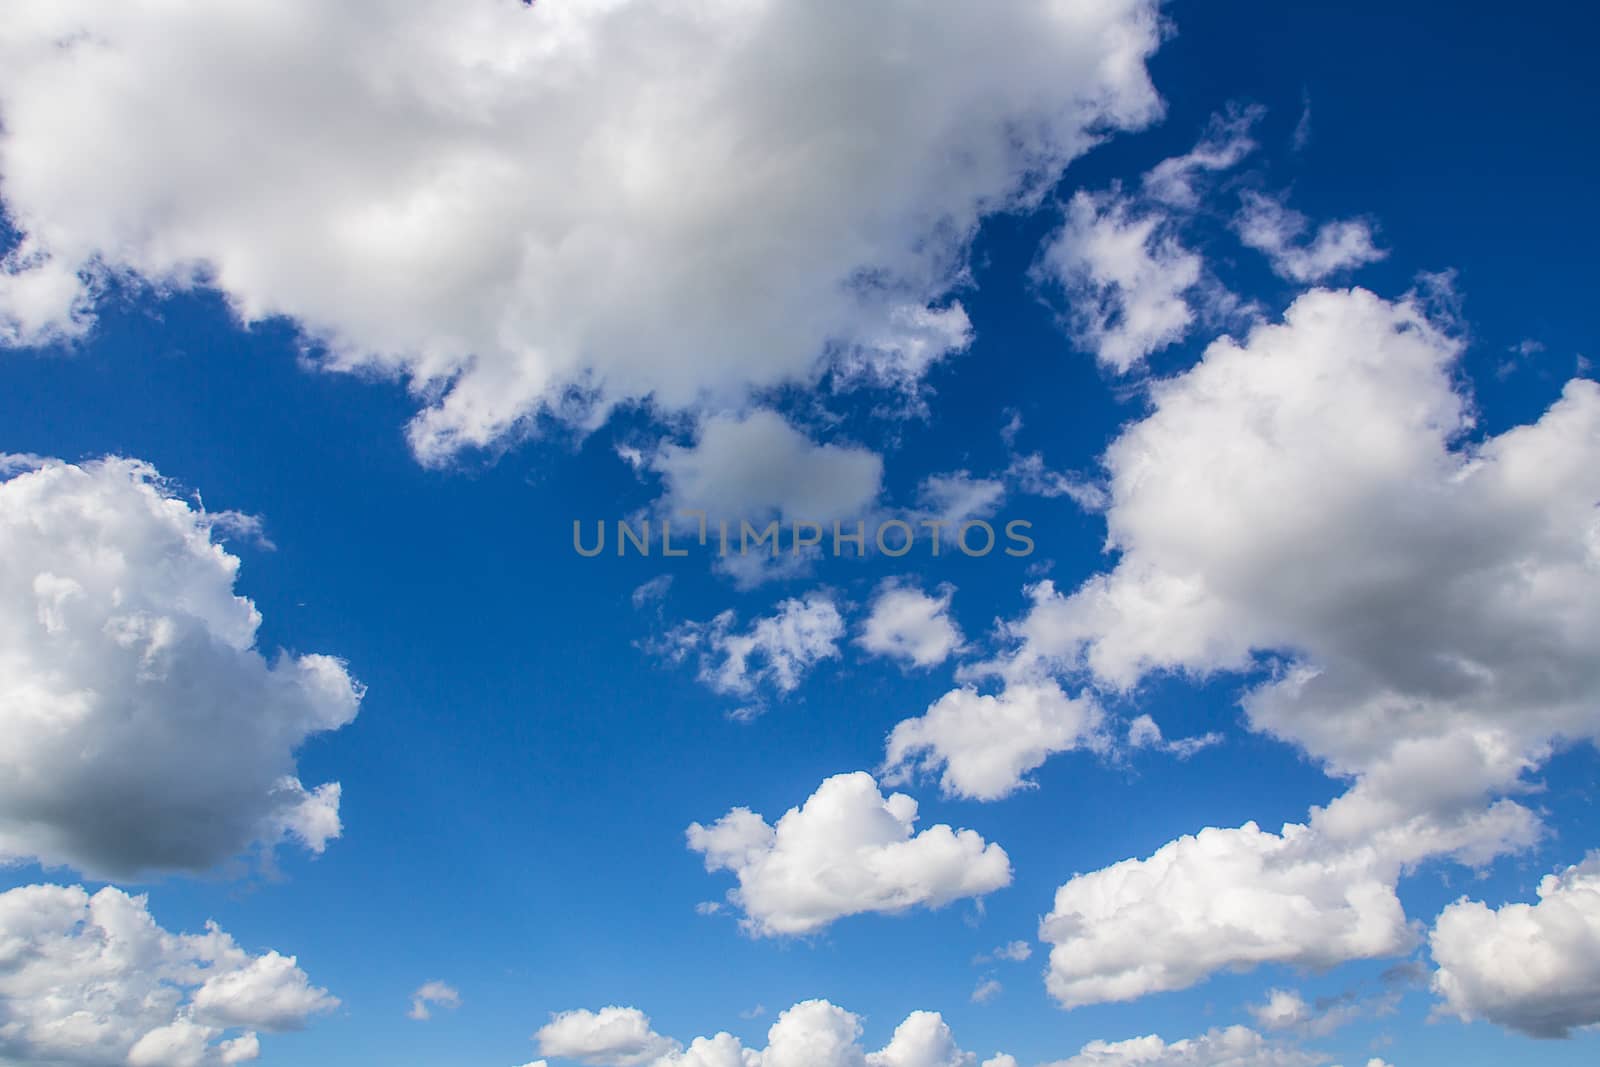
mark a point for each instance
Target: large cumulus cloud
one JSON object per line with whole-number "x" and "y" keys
{"x": 550, "y": 207}
{"x": 1534, "y": 968}
{"x": 1309, "y": 500}
{"x": 140, "y": 728}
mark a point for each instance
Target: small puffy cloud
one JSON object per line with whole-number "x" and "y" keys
{"x": 1236, "y": 1046}
{"x": 813, "y": 1033}
{"x": 757, "y": 467}
{"x": 530, "y": 209}
{"x": 1286, "y": 1009}
{"x": 986, "y": 990}
{"x": 1145, "y": 733}
{"x": 1272, "y": 228}
{"x": 431, "y": 995}
{"x": 145, "y": 731}
{"x": 1283, "y": 1009}
{"x": 775, "y": 651}
{"x": 1012, "y": 951}
{"x": 847, "y": 850}
{"x": 1222, "y": 898}
{"x": 93, "y": 981}
{"x": 922, "y": 1040}
{"x": 611, "y": 1037}
{"x": 983, "y": 746}
{"x": 907, "y": 624}
{"x": 1124, "y": 275}
{"x": 1532, "y": 968}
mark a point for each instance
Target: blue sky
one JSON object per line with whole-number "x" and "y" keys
{"x": 528, "y": 753}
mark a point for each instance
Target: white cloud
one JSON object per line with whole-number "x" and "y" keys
{"x": 775, "y": 651}
{"x": 756, "y": 467}
{"x": 845, "y": 851}
{"x": 252, "y": 529}
{"x": 957, "y": 496}
{"x": 986, "y": 990}
{"x": 1124, "y": 274}
{"x": 1326, "y": 447}
{"x": 813, "y": 1033}
{"x": 92, "y": 981}
{"x": 611, "y": 1037}
{"x": 1266, "y": 224}
{"x": 1130, "y": 285}
{"x": 430, "y": 995}
{"x": 907, "y": 624}
{"x": 550, "y": 207}
{"x": 922, "y": 1040}
{"x": 984, "y": 745}
{"x": 1236, "y": 1046}
{"x": 1228, "y": 139}
{"x": 1534, "y": 968}
{"x": 1284, "y": 1009}
{"x": 1032, "y": 476}
{"x": 1145, "y": 732}
{"x": 1013, "y": 951}
{"x": 144, "y": 729}
{"x": 1429, "y": 609}
{"x": 653, "y": 590}
{"x": 1222, "y": 898}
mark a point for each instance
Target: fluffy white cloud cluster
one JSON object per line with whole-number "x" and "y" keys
{"x": 1272, "y": 228}
{"x": 983, "y": 746}
{"x": 92, "y": 981}
{"x": 1444, "y": 598}
{"x": 1236, "y": 1046}
{"x": 813, "y": 1033}
{"x": 907, "y": 624}
{"x": 611, "y": 1037}
{"x": 1532, "y": 967}
{"x": 550, "y": 207}
{"x": 848, "y": 849}
{"x": 775, "y": 650}
{"x": 1306, "y": 494}
{"x": 1126, "y": 276}
{"x": 1222, "y": 898}
{"x": 143, "y": 730}
{"x": 1129, "y": 282}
